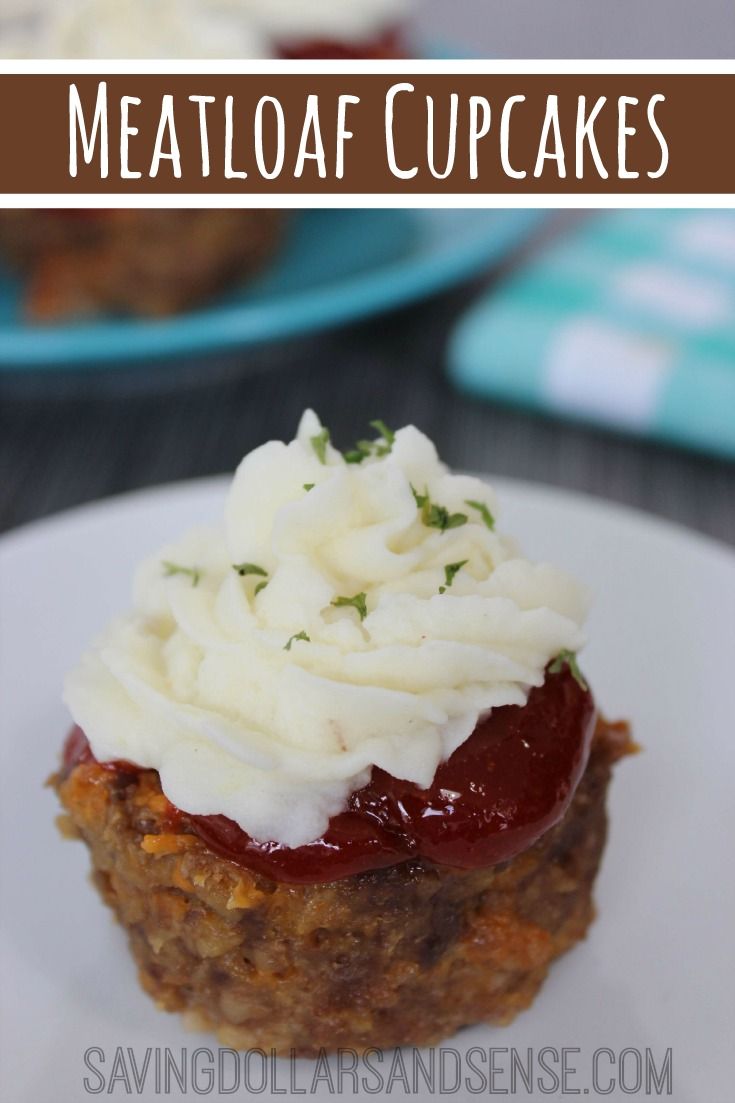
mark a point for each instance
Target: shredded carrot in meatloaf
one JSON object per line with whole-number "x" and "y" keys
{"x": 168, "y": 844}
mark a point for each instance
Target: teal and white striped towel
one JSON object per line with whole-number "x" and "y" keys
{"x": 628, "y": 322}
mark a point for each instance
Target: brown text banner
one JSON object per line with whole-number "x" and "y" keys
{"x": 370, "y": 134}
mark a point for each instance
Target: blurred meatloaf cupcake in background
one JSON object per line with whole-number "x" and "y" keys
{"x": 142, "y": 262}
{"x": 341, "y": 777}
{"x": 155, "y": 263}
{"x": 244, "y": 29}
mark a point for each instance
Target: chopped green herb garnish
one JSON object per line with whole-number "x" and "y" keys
{"x": 319, "y": 444}
{"x": 244, "y": 569}
{"x": 309, "y": 486}
{"x": 439, "y": 517}
{"x": 569, "y": 658}
{"x": 436, "y": 516}
{"x": 387, "y": 435}
{"x": 483, "y": 511}
{"x": 366, "y": 448}
{"x": 299, "y": 636}
{"x": 380, "y": 427}
{"x": 249, "y": 568}
{"x": 360, "y": 452}
{"x": 450, "y": 572}
{"x": 174, "y": 568}
{"x": 359, "y": 602}
{"x": 420, "y": 499}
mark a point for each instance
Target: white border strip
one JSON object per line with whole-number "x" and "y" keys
{"x": 486, "y": 66}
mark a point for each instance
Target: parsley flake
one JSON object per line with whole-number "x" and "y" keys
{"x": 249, "y": 568}
{"x": 483, "y": 511}
{"x": 569, "y": 658}
{"x": 261, "y": 586}
{"x": 299, "y": 636}
{"x": 175, "y": 568}
{"x": 309, "y": 486}
{"x": 419, "y": 499}
{"x": 359, "y": 602}
{"x": 387, "y": 436}
{"x": 360, "y": 452}
{"x": 366, "y": 448}
{"x": 319, "y": 444}
{"x": 434, "y": 515}
{"x": 450, "y": 572}
{"x": 439, "y": 517}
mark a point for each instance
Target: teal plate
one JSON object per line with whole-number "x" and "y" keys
{"x": 335, "y": 266}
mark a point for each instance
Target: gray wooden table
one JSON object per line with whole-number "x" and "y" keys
{"x": 62, "y": 444}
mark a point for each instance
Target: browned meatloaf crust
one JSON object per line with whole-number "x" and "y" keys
{"x": 146, "y": 262}
{"x": 403, "y": 955}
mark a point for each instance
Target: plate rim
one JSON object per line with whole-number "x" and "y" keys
{"x": 600, "y": 966}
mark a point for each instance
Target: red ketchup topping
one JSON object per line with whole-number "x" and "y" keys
{"x": 386, "y": 45}
{"x": 501, "y": 790}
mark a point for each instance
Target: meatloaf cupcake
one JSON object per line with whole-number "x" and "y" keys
{"x": 148, "y": 263}
{"x": 340, "y": 775}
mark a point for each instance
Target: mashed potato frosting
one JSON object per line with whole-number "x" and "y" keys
{"x": 354, "y": 610}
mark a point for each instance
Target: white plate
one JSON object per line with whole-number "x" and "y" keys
{"x": 657, "y": 971}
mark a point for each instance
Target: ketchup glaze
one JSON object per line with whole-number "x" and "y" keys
{"x": 387, "y": 44}
{"x": 503, "y": 788}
